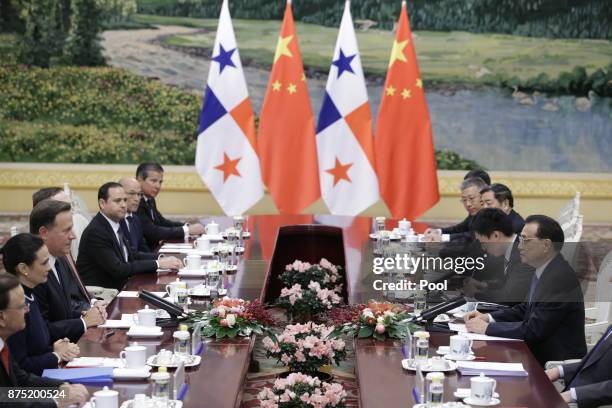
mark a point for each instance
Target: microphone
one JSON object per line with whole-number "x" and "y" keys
{"x": 432, "y": 312}
{"x": 154, "y": 300}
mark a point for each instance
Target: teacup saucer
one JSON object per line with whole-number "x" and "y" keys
{"x": 461, "y": 393}
{"x": 493, "y": 402}
{"x": 457, "y": 357}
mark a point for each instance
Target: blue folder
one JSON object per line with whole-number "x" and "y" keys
{"x": 89, "y": 375}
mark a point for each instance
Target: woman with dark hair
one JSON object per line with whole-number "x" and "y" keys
{"x": 27, "y": 257}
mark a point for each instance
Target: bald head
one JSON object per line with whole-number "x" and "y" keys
{"x": 133, "y": 191}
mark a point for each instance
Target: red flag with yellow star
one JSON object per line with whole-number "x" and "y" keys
{"x": 287, "y": 144}
{"x": 404, "y": 151}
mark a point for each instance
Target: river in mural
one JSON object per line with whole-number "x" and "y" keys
{"x": 490, "y": 125}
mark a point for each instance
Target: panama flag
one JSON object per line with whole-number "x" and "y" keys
{"x": 344, "y": 132}
{"x": 226, "y": 157}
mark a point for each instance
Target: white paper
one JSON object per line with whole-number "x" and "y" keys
{"x": 116, "y": 324}
{"x": 95, "y": 362}
{"x": 490, "y": 368}
{"x": 177, "y": 245}
{"x": 134, "y": 294}
{"x": 484, "y": 337}
{"x": 458, "y": 327}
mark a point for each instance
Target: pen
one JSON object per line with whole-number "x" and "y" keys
{"x": 415, "y": 395}
{"x": 109, "y": 333}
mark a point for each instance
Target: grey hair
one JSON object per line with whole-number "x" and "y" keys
{"x": 473, "y": 182}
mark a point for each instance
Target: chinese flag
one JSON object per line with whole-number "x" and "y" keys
{"x": 405, "y": 157}
{"x": 287, "y": 144}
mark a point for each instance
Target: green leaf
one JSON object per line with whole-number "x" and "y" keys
{"x": 378, "y": 336}
{"x": 365, "y": 331}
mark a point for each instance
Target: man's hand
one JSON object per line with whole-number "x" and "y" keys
{"x": 553, "y": 374}
{"x": 433, "y": 235}
{"x": 196, "y": 229}
{"x": 94, "y": 317}
{"x": 477, "y": 325}
{"x": 170, "y": 262}
{"x": 101, "y": 305}
{"x": 567, "y": 396}
{"x": 67, "y": 351}
{"x": 76, "y": 394}
{"x": 476, "y": 315}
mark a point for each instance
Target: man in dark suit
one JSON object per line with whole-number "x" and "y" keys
{"x": 507, "y": 279}
{"x": 589, "y": 381}
{"x": 105, "y": 255}
{"x": 13, "y": 308}
{"x": 472, "y": 202}
{"x": 551, "y": 319}
{"x": 499, "y": 196}
{"x": 62, "y": 299}
{"x": 132, "y": 227}
{"x": 154, "y": 225}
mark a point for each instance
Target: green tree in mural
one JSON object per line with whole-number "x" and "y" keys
{"x": 42, "y": 40}
{"x": 83, "y": 44}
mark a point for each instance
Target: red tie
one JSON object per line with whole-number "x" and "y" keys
{"x": 4, "y": 355}
{"x": 77, "y": 277}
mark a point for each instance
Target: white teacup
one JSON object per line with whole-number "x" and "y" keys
{"x": 203, "y": 244}
{"x": 460, "y": 345}
{"x": 404, "y": 225}
{"x": 134, "y": 356}
{"x": 140, "y": 401}
{"x": 212, "y": 228}
{"x": 105, "y": 398}
{"x": 192, "y": 262}
{"x": 482, "y": 389}
{"x": 145, "y": 317}
{"x": 438, "y": 364}
{"x": 164, "y": 357}
{"x": 172, "y": 287}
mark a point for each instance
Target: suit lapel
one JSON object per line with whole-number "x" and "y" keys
{"x": 112, "y": 236}
{"x": 599, "y": 353}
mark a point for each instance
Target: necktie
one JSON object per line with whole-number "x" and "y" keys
{"x": 506, "y": 263}
{"x": 532, "y": 289}
{"x": 590, "y": 355}
{"x": 77, "y": 277}
{"x": 151, "y": 205}
{"x": 122, "y": 243}
{"x": 4, "y": 356}
{"x": 128, "y": 221}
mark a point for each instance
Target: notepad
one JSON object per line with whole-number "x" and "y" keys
{"x": 489, "y": 368}
{"x": 458, "y": 327}
{"x": 82, "y": 362}
{"x": 484, "y": 337}
{"x": 134, "y": 294}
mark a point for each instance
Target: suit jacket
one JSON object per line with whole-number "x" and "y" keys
{"x": 517, "y": 221}
{"x": 101, "y": 260}
{"x": 57, "y": 306}
{"x": 135, "y": 234}
{"x": 592, "y": 377}
{"x": 155, "y": 227}
{"x": 512, "y": 287}
{"x": 461, "y": 231}
{"x": 31, "y": 347}
{"x": 20, "y": 378}
{"x": 552, "y": 324}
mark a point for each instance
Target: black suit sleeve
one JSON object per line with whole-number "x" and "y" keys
{"x": 71, "y": 328}
{"x": 102, "y": 252}
{"x": 459, "y": 232}
{"x": 154, "y": 233}
{"x": 594, "y": 395}
{"x": 30, "y": 363}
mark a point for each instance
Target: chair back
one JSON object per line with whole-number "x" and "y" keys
{"x": 307, "y": 243}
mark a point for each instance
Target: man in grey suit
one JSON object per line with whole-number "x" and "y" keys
{"x": 589, "y": 381}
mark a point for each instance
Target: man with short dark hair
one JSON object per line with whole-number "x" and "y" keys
{"x": 506, "y": 279}
{"x": 155, "y": 226}
{"x": 106, "y": 258}
{"x": 63, "y": 301}
{"x": 479, "y": 173}
{"x": 551, "y": 319}
{"x": 500, "y": 196}
{"x": 13, "y": 308}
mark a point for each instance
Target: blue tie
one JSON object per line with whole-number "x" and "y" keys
{"x": 534, "y": 284}
{"x": 591, "y": 354}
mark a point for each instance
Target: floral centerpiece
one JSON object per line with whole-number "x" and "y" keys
{"x": 305, "y": 347}
{"x": 302, "y": 391}
{"x": 230, "y": 317}
{"x": 374, "y": 319}
{"x": 310, "y": 289}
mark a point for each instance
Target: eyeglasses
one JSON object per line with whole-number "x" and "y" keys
{"x": 522, "y": 239}
{"x": 133, "y": 193}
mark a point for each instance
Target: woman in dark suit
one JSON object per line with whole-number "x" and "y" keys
{"x": 27, "y": 257}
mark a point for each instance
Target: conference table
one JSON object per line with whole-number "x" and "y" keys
{"x": 218, "y": 381}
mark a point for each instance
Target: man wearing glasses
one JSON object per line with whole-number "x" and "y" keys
{"x": 551, "y": 319}
{"x": 132, "y": 226}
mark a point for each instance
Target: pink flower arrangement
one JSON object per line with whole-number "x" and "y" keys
{"x": 305, "y": 347}
{"x": 299, "y": 390}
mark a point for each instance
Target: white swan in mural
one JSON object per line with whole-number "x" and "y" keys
{"x": 518, "y": 94}
{"x": 551, "y": 106}
{"x": 530, "y": 100}
{"x": 584, "y": 104}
